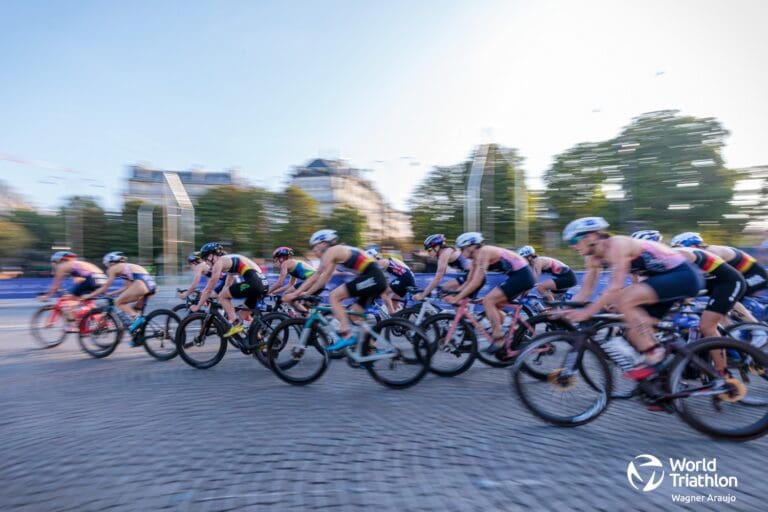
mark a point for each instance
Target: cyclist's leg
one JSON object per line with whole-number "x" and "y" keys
{"x": 339, "y": 311}
{"x": 133, "y": 293}
{"x": 491, "y": 303}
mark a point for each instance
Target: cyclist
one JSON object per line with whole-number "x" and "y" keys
{"x": 403, "y": 278}
{"x": 754, "y": 273}
{"x": 139, "y": 285}
{"x": 86, "y": 276}
{"x": 669, "y": 277}
{"x": 252, "y": 287}
{"x": 446, "y": 256}
{"x": 369, "y": 283}
{"x": 201, "y": 269}
{"x": 562, "y": 275}
{"x": 496, "y": 259}
{"x": 289, "y": 266}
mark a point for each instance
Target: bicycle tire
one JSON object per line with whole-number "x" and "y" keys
{"x": 158, "y": 334}
{"x": 545, "y": 348}
{"x": 181, "y": 308}
{"x": 56, "y": 330}
{"x": 286, "y": 351}
{"x": 96, "y": 336}
{"x": 449, "y": 363}
{"x": 187, "y": 341}
{"x": 410, "y": 338}
{"x": 687, "y": 409}
{"x": 258, "y": 338}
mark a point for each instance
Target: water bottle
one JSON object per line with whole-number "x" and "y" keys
{"x": 621, "y": 352}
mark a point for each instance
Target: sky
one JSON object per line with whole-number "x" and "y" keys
{"x": 397, "y": 87}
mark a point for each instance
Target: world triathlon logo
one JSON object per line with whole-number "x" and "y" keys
{"x": 645, "y": 472}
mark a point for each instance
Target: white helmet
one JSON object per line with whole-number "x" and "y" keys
{"x": 687, "y": 239}
{"x": 324, "y": 235}
{"x": 469, "y": 238}
{"x": 113, "y": 257}
{"x": 526, "y": 251}
{"x": 648, "y": 234}
{"x": 373, "y": 253}
{"x": 584, "y": 225}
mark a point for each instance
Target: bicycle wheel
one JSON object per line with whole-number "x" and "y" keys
{"x": 754, "y": 333}
{"x": 259, "y": 333}
{"x": 557, "y": 399}
{"x": 449, "y": 356}
{"x": 297, "y": 355}
{"x": 199, "y": 340}
{"x": 181, "y": 309}
{"x": 734, "y": 407}
{"x": 100, "y": 333}
{"x": 48, "y": 326}
{"x": 525, "y": 331}
{"x": 401, "y": 350}
{"x": 158, "y": 334}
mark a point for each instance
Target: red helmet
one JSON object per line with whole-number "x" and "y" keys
{"x": 282, "y": 252}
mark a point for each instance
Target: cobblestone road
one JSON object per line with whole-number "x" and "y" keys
{"x": 130, "y": 433}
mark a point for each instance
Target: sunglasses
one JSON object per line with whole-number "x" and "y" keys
{"x": 576, "y": 239}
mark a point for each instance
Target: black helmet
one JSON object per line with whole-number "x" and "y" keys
{"x": 194, "y": 257}
{"x": 211, "y": 248}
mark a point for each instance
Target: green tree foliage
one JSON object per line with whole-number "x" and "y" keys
{"x": 294, "y": 217}
{"x": 498, "y": 204}
{"x": 663, "y": 171}
{"x": 13, "y": 238}
{"x": 234, "y": 216}
{"x": 348, "y": 223}
{"x": 437, "y": 204}
{"x": 45, "y": 230}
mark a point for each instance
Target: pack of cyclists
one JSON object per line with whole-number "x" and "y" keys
{"x": 646, "y": 278}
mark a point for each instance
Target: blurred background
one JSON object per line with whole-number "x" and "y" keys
{"x": 152, "y": 129}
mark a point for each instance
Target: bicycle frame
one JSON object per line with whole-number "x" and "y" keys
{"x": 464, "y": 311}
{"x": 317, "y": 315}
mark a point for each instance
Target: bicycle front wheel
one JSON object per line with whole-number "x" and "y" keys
{"x": 199, "y": 341}
{"x": 400, "y": 353}
{"x": 297, "y": 355}
{"x": 453, "y": 356}
{"x": 558, "y": 398}
{"x": 158, "y": 334}
{"x": 259, "y": 333}
{"x": 100, "y": 333}
{"x": 734, "y": 407}
{"x": 48, "y": 326}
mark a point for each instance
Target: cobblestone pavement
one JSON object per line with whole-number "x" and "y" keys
{"x": 131, "y": 433}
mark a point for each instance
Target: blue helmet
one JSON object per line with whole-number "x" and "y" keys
{"x": 687, "y": 239}
{"x": 648, "y": 234}
{"x": 211, "y": 248}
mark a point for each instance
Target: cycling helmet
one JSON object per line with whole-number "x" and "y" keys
{"x": 282, "y": 252}
{"x": 373, "y": 253}
{"x": 62, "y": 255}
{"x": 113, "y": 257}
{"x": 648, "y": 234}
{"x": 433, "y": 241}
{"x": 687, "y": 239}
{"x": 324, "y": 235}
{"x": 211, "y": 248}
{"x": 194, "y": 257}
{"x": 469, "y": 238}
{"x": 584, "y": 225}
{"x": 526, "y": 251}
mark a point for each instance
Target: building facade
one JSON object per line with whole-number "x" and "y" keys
{"x": 146, "y": 185}
{"x": 332, "y": 183}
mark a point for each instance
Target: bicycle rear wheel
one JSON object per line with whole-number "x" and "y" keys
{"x": 297, "y": 355}
{"x": 403, "y": 353}
{"x": 100, "y": 333}
{"x": 566, "y": 401}
{"x": 449, "y": 357}
{"x": 48, "y": 326}
{"x": 259, "y": 333}
{"x": 199, "y": 341}
{"x": 158, "y": 334}
{"x": 734, "y": 407}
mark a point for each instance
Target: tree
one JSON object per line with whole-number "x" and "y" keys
{"x": 13, "y": 238}
{"x": 45, "y": 231}
{"x": 295, "y": 216}
{"x": 234, "y": 216}
{"x": 437, "y": 204}
{"x": 348, "y": 223}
